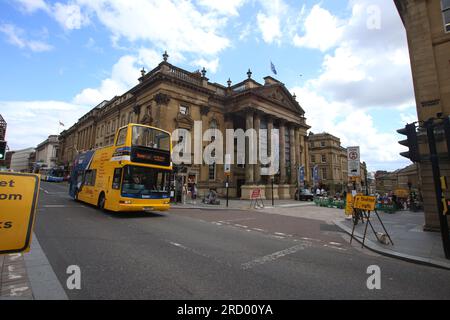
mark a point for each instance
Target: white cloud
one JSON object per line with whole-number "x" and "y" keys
{"x": 227, "y": 7}
{"x": 16, "y": 36}
{"x": 322, "y": 30}
{"x": 363, "y": 70}
{"x": 270, "y": 27}
{"x": 355, "y": 127}
{"x": 31, "y": 6}
{"x": 69, "y": 16}
{"x": 177, "y": 26}
{"x": 124, "y": 75}
{"x": 210, "y": 66}
{"x": 31, "y": 122}
{"x": 269, "y": 20}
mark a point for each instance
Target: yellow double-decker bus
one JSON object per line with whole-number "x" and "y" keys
{"x": 131, "y": 175}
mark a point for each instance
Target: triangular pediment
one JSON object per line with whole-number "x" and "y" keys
{"x": 280, "y": 95}
{"x": 184, "y": 121}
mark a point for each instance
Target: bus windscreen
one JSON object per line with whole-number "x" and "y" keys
{"x": 150, "y": 138}
{"x": 145, "y": 183}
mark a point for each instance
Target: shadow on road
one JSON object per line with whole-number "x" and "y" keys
{"x": 134, "y": 215}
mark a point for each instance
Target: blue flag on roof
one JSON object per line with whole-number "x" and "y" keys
{"x": 272, "y": 66}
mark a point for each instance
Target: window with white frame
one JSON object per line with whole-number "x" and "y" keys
{"x": 324, "y": 158}
{"x": 445, "y": 4}
{"x": 322, "y": 143}
{"x": 184, "y": 109}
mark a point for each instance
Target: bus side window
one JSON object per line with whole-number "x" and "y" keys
{"x": 121, "y": 137}
{"x": 116, "y": 178}
{"x": 89, "y": 177}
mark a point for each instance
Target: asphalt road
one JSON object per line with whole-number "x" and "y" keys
{"x": 205, "y": 254}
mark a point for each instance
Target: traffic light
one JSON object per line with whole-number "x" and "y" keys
{"x": 411, "y": 142}
{"x": 2, "y": 150}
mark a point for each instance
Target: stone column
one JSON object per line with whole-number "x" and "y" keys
{"x": 282, "y": 152}
{"x": 307, "y": 159}
{"x": 257, "y": 166}
{"x": 293, "y": 177}
{"x": 298, "y": 147}
{"x": 269, "y": 138}
{"x": 271, "y": 149}
{"x": 249, "y": 178}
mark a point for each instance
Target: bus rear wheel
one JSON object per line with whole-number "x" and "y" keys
{"x": 101, "y": 201}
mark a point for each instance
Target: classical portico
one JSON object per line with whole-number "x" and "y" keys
{"x": 269, "y": 107}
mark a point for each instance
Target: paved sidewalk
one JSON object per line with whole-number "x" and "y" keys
{"x": 411, "y": 243}
{"x": 29, "y": 276}
{"x": 14, "y": 282}
{"x": 236, "y": 204}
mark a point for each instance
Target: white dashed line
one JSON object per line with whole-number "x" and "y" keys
{"x": 273, "y": 256}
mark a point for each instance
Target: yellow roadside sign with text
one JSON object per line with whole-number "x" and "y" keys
{"x": 349, "y": 205}
{"x": 18, "y": 202}
{"x": 401, "y": 193}
{"x": 365, "y": 203}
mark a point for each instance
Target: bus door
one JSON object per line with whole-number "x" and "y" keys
{"x": 115, "y": 184}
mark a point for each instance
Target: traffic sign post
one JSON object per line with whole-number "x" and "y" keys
{"x": 227, "y": 171}
{"x": 18, "y": 203}
{"x": 256, "y": 200}
{"x": 353, "y": 157}
{"x": 362, "y": 207}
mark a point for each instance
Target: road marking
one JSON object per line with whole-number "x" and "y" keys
{"x": 178, "y": 245}
{"x": 335, "y": 243}
{"x": 260, "y": 230}
{"x": 241, "y": 226}
{"x": 235, "y": 220}
{"x": 281, "y": 234}
{"x": 274, "y": 256}
{"x": 44, "y": 190}
{"x": 61, "y": 206}
{"x": 310, "y": 239}
{"x": 198, "y": 253}
{"x": 333, "y": 247}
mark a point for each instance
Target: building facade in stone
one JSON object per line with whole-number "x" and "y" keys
{"x": 171, "y": 98}
{"x": 46, "y": 153}
{"x": 327, "y": 153}
{"x": 427, "y": 25}
{"x": 399, "y": 179}
{"x": 23, "y": 160}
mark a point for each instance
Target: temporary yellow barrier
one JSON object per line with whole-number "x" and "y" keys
{"x": 18, "y": 203}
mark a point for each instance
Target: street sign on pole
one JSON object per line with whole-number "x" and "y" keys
{"x": 18, "y": 202}
{"x": 353, "y": 159}
{"x": 227, "y": 165}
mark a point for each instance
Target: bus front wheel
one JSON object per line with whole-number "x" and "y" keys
{"x": 101, "y": 201}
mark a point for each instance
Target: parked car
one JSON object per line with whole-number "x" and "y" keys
{"x": 304, "y": 195}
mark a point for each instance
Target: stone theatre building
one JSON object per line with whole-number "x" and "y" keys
{"x": 169, "y": 97}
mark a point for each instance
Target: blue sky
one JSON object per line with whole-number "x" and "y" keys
{"x": 347, "y": 61}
